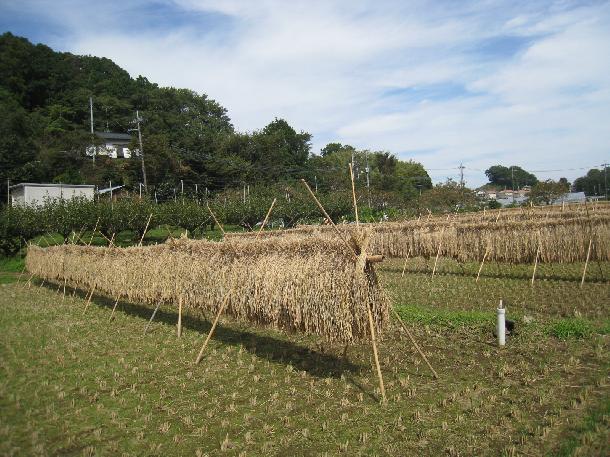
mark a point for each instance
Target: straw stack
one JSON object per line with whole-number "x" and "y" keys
{"x": 562, "y": 239}
{"x": 312, "y": 285}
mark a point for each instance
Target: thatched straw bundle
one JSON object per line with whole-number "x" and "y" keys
{"x": 313, "y": 286}
{"x": 561, "y": 238}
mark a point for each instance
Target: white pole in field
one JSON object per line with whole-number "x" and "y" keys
{"x": 584, "y": 271}
{"x": 501, "y": 325}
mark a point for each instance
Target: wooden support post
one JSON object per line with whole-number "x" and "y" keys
{"x": 94, "y": 230}
{"x": 266, "y": 218}
{"x": 112, "y": 240}
{"x": 58, "y": 287}
{"x": 29, "y": 283}
{"x": 351, "y": 173}
{"x": 145, "y": 229}
{"x": 349, "y": 246}
{"x": 215, "y": 220}
{"x": 375, "y": 355}
{"x": 114, "y": 308}
{"x": 438, "y": 252}
{"x": 584, "y": 271}
{"x": 179, "y": 330}
{"x": 21, "y": 274}
{"x": 42, "y": 283}
{"x": 89, "y": 299}
{"x": 64, "y": 294}
{"x": 151, "y": 318}
{"x": 404, "y": 327}
{"x": 220, "y": 310}
{"x": 536, "y": 262}
{"x": 482, "y": 262}
{"x": 404, "y": 267}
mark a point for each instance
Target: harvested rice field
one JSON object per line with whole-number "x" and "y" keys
{"x": 74, "y": 383}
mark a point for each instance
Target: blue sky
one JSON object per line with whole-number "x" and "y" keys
{"x": 524, "y": 83}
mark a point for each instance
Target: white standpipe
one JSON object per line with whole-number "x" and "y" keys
{"x": 501, "y": 325}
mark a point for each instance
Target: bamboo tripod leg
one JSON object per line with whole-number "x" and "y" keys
{"x": 535, "y": 265}
{"x": 151, "y": 318}
{"x": 29, "y": 283}
{"x": 205, "y": 343}
{"x": 374, "y": 343}
{"x": 89, "y": 299}
{"x": 179, "y": 330}
{"x": 404, "y": 267}
{"x": 64, "y": 294}
{"x": 114, "y": 308}
{"x": 482, "y": 262}
{"x": 584, "y": 271}
{"x": 404, "y": 327}
{"x": 20, "y": 275}
{"x": 438, "y": 253}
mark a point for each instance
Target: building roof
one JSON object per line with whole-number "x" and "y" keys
{"x": 33, "y": 184}
{"x": 114, "y": 136}
{"x": 108, "y": 189}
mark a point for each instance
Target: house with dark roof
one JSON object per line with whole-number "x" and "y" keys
{"x": 115, "y": 145}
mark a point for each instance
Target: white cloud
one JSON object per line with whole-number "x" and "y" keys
{"x": 365, "y": 72}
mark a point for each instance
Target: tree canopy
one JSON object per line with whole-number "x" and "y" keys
{"x": 508, "y": 177}
{"x": 188, "y": 137}
{"x": 594, "y": 182}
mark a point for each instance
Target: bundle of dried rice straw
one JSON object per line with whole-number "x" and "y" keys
{"x": 309, "y": 285}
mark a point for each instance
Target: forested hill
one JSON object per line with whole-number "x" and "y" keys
{"x": 45, "y": 125}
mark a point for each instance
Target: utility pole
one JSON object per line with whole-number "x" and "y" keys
{"x": 461, "y": 167}
{"x": 141, "y": 151}
{"x": 512, "y": 180}
{"x": 605, "y": 165}
{"x": 92, "y": 139}
{"x": 368, "y": 183}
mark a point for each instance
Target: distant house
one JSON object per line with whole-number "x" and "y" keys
{"x": 115, "y": 146}
{"x": 37, "y": 194}
{"x": 570, "y": 197}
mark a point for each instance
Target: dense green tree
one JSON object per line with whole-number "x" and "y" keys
{"x": 546, "y": 192}
{"x": 594, "y": 182}
{"x": 510, "y": 176}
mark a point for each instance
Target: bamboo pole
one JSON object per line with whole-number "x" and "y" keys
{"x": 89, "y": 299}
{"x": 374, "y": 343}
{"x": 536, "y": 262}
{"x": 215, "y": 220}
{"x": 414, "y": 342}
{"x": 29, "y": 283}
{"x": 350, "y": 247}
{"x": 404, "y": 267}
{"x": 210, "y": 333}
{"x": 179, "y": 329}
{"x": 64, "y": 294}
{"x": 584, "y": 271}
{"x": 438, "y": 252}
{"x": 145, "y": 229}
{"x": 266, "y": 218}
{"x": 482, "y": 262}
{"x": 114, "y": 308}
{"x": 42, "y": 283}
{"x": 351, "y": 174}
{"x": 112, "y": 240}
{"x": 152, "y": 317}
{"x": 21, "y": 274}
{"x": 94, "y": 230}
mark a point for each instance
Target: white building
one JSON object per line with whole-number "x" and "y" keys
{"x": 37, "y": 194}
{"x": 115, "y": 145}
